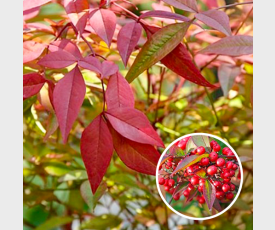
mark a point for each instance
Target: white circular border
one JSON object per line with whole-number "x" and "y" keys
{"x": 203, "y": 218}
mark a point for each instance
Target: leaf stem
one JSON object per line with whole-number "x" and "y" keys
{"x": 159, "y": 94}
{"x": 104, "y": 101}
{"x": 235, "y": 4}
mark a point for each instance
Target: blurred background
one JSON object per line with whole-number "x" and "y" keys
{"x": 56, "y": 192}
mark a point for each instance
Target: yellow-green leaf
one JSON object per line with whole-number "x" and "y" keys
{"x": 157, "y": 47}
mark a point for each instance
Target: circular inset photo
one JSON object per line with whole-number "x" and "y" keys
{"x": 199, "y": 176}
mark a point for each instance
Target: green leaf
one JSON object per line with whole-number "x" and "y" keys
{"x": 201, "y": 141}
{"x": 181, "y": 187}
{"x": 190, "y": 160}
{"x": 209, "y": 193}
{"x": 157, "y": 47}
{"x": 201, "y": 173}
{"x": 106, "y": 221}
{"x": 56, "y": 168}
{"x": 90, "y": 198}
{"x": 175, "y": 151}
{"x": 190, "y": 145}
{"x": 54, "y": 222}
{"x": 74, "y": 175}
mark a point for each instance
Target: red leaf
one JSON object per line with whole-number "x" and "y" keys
{"x": 90, "y": 63}
{"x": 180, "y": 61}
{"x": 139, "y": 157}
{"x": 127, "y": 39}
{"x": 58, "y": 60}
{"x": 31, "y": 13}
{"x": 32, "y": 50}
{"x": 215, "y": 19}
{"x": 133, "y": 125}
{"x": 67, "y": 46}
{"x": 104, "y": 24}
{"x": 209, "y": 193}
{"x": 231, "y": 46}
{"x": 227, "y": 74}
{"x": 164, "y": 14}
{"x": 78, "y": 13}
{"x": 96, "y": 150}
{"x": 105, "y": 69}
{"x": 30, "y": 4}
{"x": 32, "y": 83}
{"x": 68, "y": 96}
{"x": 188, "y": 5}
{"x": 108, "y": 68}
{"x": 119, "y": 93}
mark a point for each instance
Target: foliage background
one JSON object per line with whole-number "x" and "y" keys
{"x": 56, "y": 192}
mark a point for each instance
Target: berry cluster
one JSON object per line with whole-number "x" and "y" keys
{"x": 217, "y": 169}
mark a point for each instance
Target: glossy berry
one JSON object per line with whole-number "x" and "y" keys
{"x": 219, "y": 195}
{"x": 166, "y": 182}
{"x": 168, "y": 165}
{"x": 212, "y": 143}
{"x": 190, "y": 187}
{"x": 225, "y": 187}
{"x": 194, "y": 180}
{"x": 232, "y": 187}
{"x": 201, "y": 199}
{"x": 166, "y": 188}
{"x": 220, "y": 162}
{"x": 229, "y": 164}
{"x": 230, "y": 196}
{"x": 232, "y": 173}
{"x": 217, "y": 184}
{"x": 204, "y": 161}
{"x": 176, "y": 196}
{"x": 213, "y": 156}
{"x": 226, "y": 175}
{"x": 170, "y": 159}
{"x": 171, "y": 182}
{"x": 186, "y": 193}
{"x": 182, "y": 144}
{"x": 217, "y": 148}
{"x": 226, "y": 180}
{"x": 211, "y": 170}
{"x": 235, "y": 167}
{"x": 201, "y": 182}
{"x": 225, "y": 150}
{"x": 189, "y": 169}
{"x": 161, "y": 181}
{"x": 200, "y": 188}
{"x": 172, "y": 190}
{"x": 200, "y": 150}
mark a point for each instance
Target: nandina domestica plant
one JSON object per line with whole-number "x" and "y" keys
{"x": 107, "y": 84}
{"x": 199, "y": 170}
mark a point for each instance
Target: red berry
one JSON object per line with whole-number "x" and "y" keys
{"x": 201, "y": 182}
{"x": 171, "y": 182}
{"x": 194, "y": 180}
{"x": 178, "y": 179}
{"x": 225, "y": 150}
{"x": 230, "y": 153}
{"x": 230, "y": 196}
{"x": 217, "y": 184}
{"x": 200, "y": 188}
{"x": 201, "y": 199}
{"x": 170, "y": 159}
{"x": 232, "y": 187}
{"x": 232, "y": 173}
{"x": 204, "y": 161}
{"x": 229, "y": 164}
{"x": 235, "y": 167}
{"x": 176, "y": 196}
{"x": 186, "y": 193}
{"x": 219, "y": 195}
{"x": 216, "y": 148}
{"x": 168, "y": 165}
{"x": 225, "y": 187}
{"x": 220, "y": 162}
{"x": 172, "y": 190}
{"x": 161, "y": 181}
{"x": 226, "y": 175}
{"x": 182, "y": 144}
{"x": 190, "y": 187}
{"x": 226, "y": 180}
{"x": 166, "y": 188}
{"x": 200, "y": 150}
{"x": 212, "y": 143}
{"x": 213, "y": 156}
{"x": 225, "y": 170}
{"x": 166, "y": 182}
{"x": 189, "y": 169}
{"x": 194, "y": 151}
{"x": 211, "y": 170}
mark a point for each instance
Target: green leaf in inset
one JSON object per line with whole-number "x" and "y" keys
{"x": 181, "y": 187}
{"x": 90, "y": 198}
{"x": 190, "y": 160}
{"x": 157, "y": 47}
{"x": 209, "y": 193}
{"x": 54, "y": 222}
{"x": 201, "y": 173}
{"x": 201, "y": 140}
{"x": 175, "y": 151}
{"x": 190, "y": 145}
